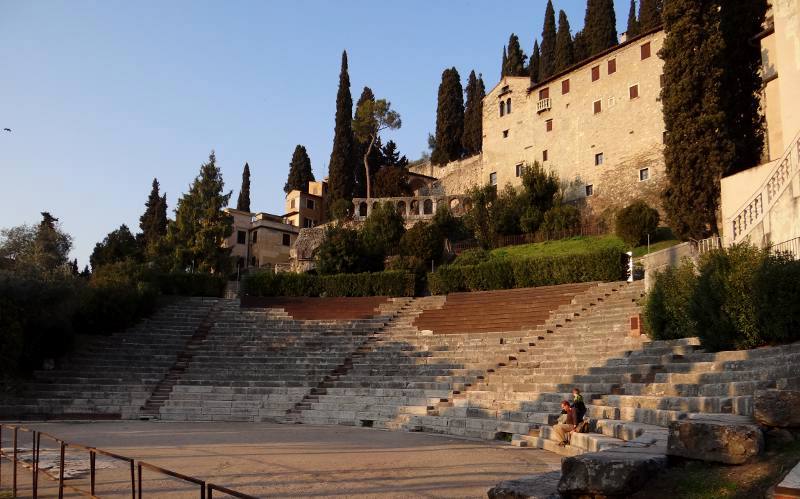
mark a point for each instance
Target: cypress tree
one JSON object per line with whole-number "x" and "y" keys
{"x": 341, "y": 165}
{"x": 698, "y": 144}
{"x": 243, "y": 203}
{"x": 600, "y": 26}
{"x": 533, "y": 68}
{"x": 359, "y": 148}
{"x": 516, "y": 57}
{"x": 200, "y": 226}
{"x": 504, "y": 64}
{"x": 579, "y": 48}
{"x": 471, "y": 140}
{"x": 449, "y": 119}
{"x": 300, "y": 173}
{"x": 392, "y": 156}
{"x": 565, "y": 56}
{"x": 649, "y": 14}
{"x": 547, "y": 61}
{"x": 741, "y": 20}
{"x": 153, "y": 221}
{"x": 633, "y": 24}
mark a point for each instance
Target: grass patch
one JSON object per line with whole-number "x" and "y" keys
{"x": 642, "y": 250}
{"x": 699, "y": 480}
{"x": 574, "y": 246}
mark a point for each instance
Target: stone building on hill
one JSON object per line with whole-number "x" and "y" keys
{"x": 260, "y": 239}
{"x": 598, "y": 125}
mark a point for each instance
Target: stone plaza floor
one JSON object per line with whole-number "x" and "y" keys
{"x": 275, "y": 460}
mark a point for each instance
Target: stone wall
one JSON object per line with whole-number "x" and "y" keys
{"x": 456, "y": 177}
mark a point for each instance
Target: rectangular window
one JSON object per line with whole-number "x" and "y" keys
{"x": 255, "y": 236}
{"x": 595, "y": 73}
{"x": 598, "y": 106}
{"x": 612, "y": 66}
{"x": 565, "y": 87}
{"x": 309, "y": 223}
{"x": 633, "y": 91}
{"x": 505, "y": 134}
{"x": 598, "y": 159}
{"x": 310, "y": 204}
{"x": 519, "y": 170}
{"x": 661, "y": 80}
{"x": 644, "y": 174}
{"x": 544, "y": 155}
{"x": 664, "y": 137}
{"x": 645, "y": 50}
{"x": 544, "y": 93}
{"x": 241, "y": 237}
{"x": 548, "y": 125}
{"x": 589, "y": 190}
{"x": 493, "y": 178}
{"x": 287, "y": 240}
{"x": 292, "y": 204}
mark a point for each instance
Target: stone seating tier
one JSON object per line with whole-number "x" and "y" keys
{"x": 303, "y": 308}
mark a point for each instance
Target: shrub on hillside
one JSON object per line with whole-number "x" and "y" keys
{"x": 388, "y": 283}
{"x": 560, "y": 218}
{"x": 423, "y": 241}
{"x": 740, "y": 298}
{"x": 340, "y": 252}
{"x": 472, "y": 256}
{"x": 341, "y": 209}
{"x": 453, "y": 228}
{"x": 635, "y": 222}
{"x": 382, "y": 231}
{"x": 501, "y": 273}
{"x": 666, "y": 311}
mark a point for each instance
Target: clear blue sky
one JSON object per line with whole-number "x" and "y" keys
{"x": 103, "y": 96}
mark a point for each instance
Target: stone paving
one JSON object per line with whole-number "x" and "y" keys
{"x": 295, "y": 460}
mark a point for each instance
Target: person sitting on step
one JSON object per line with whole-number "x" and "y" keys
{"x": 565, "y": 425}
{"x": 580, "y": 409}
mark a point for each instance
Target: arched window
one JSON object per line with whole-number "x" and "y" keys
{"x": 362, "y": 209}
{"x": 502, "y": 108}
{"x": 427, "y": 207}
{"x": 508, "y": 106}
{"x": 401, "y": 208}
{"x": 414, "y": 207}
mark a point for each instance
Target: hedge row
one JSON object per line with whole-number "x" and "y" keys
{"x": 603, "y": 265}
{"x": 388, "y": 283}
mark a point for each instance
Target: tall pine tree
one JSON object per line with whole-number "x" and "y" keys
{"x": 698, "y": 143}
{"x": 341, "y": 165}
{"x": 200, "y": 225}
{"x": 359, "y": 148}
{"x": 565, "y": 56}
{"x": 471, "y": 140}
{"x": 153, "y": 221}
{"x": 741, "y": 20}
{"x": 633, "y": 23}
{"x": 600, "y": 26}
{"x": 449, "y": 119}
{"x": 547, "y": 61}
{"x": 533, "y": 67}
{"x": 579, "y": 48}
{"x": 300, "y": 173}
{"x": 649, "y": 14}
{"x": 515, "y": 60}
{"x": 243, "y": 203}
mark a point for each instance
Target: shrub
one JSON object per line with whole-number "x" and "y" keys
{"x": 453, "y": 228}
{"x": 424, "y": 241}
{"x": 388, "y": 283}
{"x": 777, "y": 291}
{"x": 341, "y": 209}
{"x": 183, "y": 284}
{"x": 635, "y": 222}
{"x": 340, "y": 252}
{"x": 560, "y": 218}
{"x": 666, "y": 310}
{"x": 499, "y": 273}
{"x": 382, "y": 231}
{"x": 472, "y": 256}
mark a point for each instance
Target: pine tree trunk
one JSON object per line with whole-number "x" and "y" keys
{"x": 366, "y": 165}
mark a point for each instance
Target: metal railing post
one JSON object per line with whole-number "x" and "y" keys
{"x": 14, "y": 462}
{"x": 92, "y": 458}
{"x": 61, "y": 473}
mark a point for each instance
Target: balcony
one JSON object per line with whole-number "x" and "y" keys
{"x": 544, "y": 105}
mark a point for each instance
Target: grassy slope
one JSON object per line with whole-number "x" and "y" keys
{"x": 574, "y": 245}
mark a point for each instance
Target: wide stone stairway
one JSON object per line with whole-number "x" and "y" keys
{"x": 111, "y": 377}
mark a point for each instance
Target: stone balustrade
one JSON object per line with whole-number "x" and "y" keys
{"x": 412, "y": 208}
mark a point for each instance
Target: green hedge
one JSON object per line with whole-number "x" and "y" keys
{"x": 506, "y": 273}
{"x": 739, "y": 298}
{"x": 388, "y": 283}
{"x": 183, "y": 284}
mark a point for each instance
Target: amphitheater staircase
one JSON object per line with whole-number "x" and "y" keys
{"x": 111, "y": 377}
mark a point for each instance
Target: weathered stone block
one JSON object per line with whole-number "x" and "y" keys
{"x": 542, "y": 486}
{"x": 777, "y": 408}
{"x": 725, "y": 440}
{"x": 609, "y": 473}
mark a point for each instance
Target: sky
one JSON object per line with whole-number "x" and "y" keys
{"x": 104, "y": 96}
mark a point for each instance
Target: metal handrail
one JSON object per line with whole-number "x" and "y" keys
{"x": 211, "y": 487}
{"x": 140, "y": 465}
